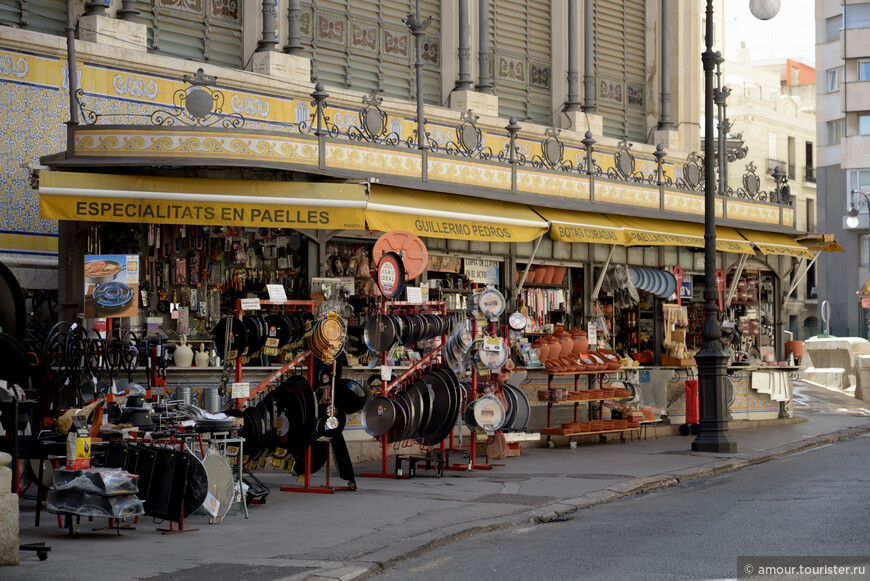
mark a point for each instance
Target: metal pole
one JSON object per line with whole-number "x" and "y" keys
{"x": 588, "y": 60}
{"x": 573, "y": 103}
{"x": 294, "y": 33}
{"x": 665, "y": 121}
{"x": 270, "y": 32}
{"x": 484, "y": 84}
{"x": 73, "y": 81}
{"x": 418, "y": 27}
{"x": 712, "y": 358}
{"x": 465, "y": 81}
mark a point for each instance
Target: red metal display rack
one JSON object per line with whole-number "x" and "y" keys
{"x": 431, "y": 307}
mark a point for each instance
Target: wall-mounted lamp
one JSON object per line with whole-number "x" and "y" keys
{"x": 852, "y": 214}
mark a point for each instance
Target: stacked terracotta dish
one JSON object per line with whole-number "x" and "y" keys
{"x": 544, "y": 274}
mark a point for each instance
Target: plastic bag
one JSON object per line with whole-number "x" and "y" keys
{"x": 102, "y": 481}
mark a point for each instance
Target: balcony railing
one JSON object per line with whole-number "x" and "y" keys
{"x": 810, "y": 174}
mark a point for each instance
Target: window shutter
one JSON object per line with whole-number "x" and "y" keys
{"x": 620, "y": 58}
{"x": 10, "y": 13}
{"x": 522, "y": 61}
{"x": 48, "y": 16}
{"x": 208, "y": 31}
{"x": 364, "y": 45}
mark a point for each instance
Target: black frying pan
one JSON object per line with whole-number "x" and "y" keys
{"x": 236, "y": 330}
{"x": 378, "y": 416}
{"x": 400, "y": 422}
{"x": 380, "y": 333}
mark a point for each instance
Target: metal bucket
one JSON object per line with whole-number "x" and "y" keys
{"x": 211, "y": 400}
{"x": 182, "y": 392}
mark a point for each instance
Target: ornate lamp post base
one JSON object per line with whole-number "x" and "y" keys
{"x": 712, "y": 362}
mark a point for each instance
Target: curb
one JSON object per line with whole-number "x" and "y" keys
{"x": 379, "y": 560}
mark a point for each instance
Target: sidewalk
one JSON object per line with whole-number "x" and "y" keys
{"x": 348, "y": 535}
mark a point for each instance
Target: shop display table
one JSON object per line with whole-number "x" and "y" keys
{"x": 599, "y": 427}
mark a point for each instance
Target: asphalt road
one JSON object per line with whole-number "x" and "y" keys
{"x": 813, "y": 503}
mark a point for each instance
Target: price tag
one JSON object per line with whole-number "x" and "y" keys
{"x": 491, "y": 344}
{"x": 386, "y": 373}
{"x": 242, "y": 390}
{"x": 592, "y": 333}
{"x": 276, "y": 293}
{"x": 415, "y": 294}
{"x": 254, "y": 304}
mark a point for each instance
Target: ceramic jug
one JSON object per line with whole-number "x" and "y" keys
{"x": 201, "y": 357}
{"x": 183, "y": 355}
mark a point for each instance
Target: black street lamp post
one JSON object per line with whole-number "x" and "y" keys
{"x": 712, "y": 358}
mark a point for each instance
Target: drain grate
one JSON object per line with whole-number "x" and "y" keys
{"x": 519, "y": 499}
{"x": 230, "y": 572}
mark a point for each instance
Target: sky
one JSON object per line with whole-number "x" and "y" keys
{"x": 789, "y": 34}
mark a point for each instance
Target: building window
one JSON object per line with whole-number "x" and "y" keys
{"x": 864, "y": 124}
{"x": 856, "y": 15}
{"x": 834, "y": 79}
{"x": 832, "y": 28}
{"x": 864, "y": 70}
{"x": 836, "y": 130}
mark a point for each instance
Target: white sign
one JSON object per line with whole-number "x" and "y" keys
{"x": 592, "y": 333}
{"x": 386, "y": 373}
{"x": 251, "y": 304}
{"x": 276, "y": 293}
{"x": 415, "y": 294}
{"x": 242, "y": 390}
{"x": 483, "y": 271}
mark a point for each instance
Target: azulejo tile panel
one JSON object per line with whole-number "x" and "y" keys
{"x": 684, "y": 203}
{"x": 352, "y": 156}
{"x": 760, "y": 213}
{"x": 30, "y": 130}
{"x": 635, "y": 195}
{"x": 571, "y": 186}
{"x": 214, "y": 145}
{"x": 469, "y": 173}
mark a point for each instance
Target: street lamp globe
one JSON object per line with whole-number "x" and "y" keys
{"x": 764, "y": 9}
{"x": 852, "y": 217}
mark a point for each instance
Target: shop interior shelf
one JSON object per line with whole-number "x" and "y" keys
{"x": 543, "y": 285}
{"x": 604, "y": 371}
{"x": 575, "y": 401}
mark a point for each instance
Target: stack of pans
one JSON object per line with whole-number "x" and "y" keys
{"x": 517, "y": 410}
{"x": 286, "y": 418}
{"x": 328, "y": 334}
{"x": 424, "y": 410}
{"x": 253, "y": 335}
{"x": 456, "y": 347}
{"x": 660, "y": 283}
{"x": 383, "y": 331}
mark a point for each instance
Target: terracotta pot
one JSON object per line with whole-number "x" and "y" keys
{"x": 796, "y": 347}
{"x": 534, "y": 275}
{"x": 581, "y": 343}
{"x": 559, "y": 274}
{"x": 547, "y": 277}
{"x": 567, "y": 343}
{"x": 543, "y": 348}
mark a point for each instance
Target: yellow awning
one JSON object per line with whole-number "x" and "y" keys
{"x": 451, "y": 216}
{"x": 571, "y": 226}
{"x": 656, "y": 232}
{"x": 730, "y": 240}
{"x": 776, "y": 243}
{"x": 820, "y": 242}
{"x": 170, "y": 200}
